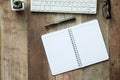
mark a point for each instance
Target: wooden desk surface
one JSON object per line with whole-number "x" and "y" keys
{"x": 22, "y": 53}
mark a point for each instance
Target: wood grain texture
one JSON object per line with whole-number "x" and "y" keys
{"x": 72, "y": 75}
{"x": 13, "y": 43}
{"x": 22, "y": 53}
{"x": 98, "y": 71}
{"x": 115, "y": 41}
{"x": 38, "y": 66}
{"x": 0, "y": 41}
{"x": 37, "y": 61}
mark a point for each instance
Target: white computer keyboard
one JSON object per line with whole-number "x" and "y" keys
{"x": 65, "y": 6}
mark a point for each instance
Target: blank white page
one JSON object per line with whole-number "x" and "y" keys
{"x": 90, "y": 43}
{"x": 59, "y": 50}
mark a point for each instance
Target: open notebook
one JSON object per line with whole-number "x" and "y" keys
{"x": 75, "y": 47}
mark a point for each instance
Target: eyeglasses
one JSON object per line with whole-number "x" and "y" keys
{"x": 106, "y": 9}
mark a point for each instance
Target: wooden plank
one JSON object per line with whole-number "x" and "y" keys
{"x": 115, "y": 41}
{"x": 14, "y": 43}
{"x": 37, "y": 61}
{"x": 71, "y": 75}
{"x": 98, "y": 71}
{"x": 0, "y": 40}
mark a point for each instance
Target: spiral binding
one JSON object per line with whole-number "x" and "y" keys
{"x": 75, "y": 47}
